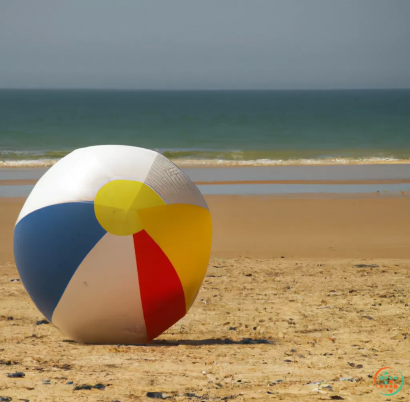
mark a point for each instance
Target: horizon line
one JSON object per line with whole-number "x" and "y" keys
{"x": 203, "y": 90}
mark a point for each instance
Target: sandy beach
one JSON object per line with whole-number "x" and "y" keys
{"x": 305, "y": 299}
{"x": 291, "y": 119}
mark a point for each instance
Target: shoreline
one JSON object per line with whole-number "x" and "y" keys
{"x": 392, "y": 180}
{"x": 215, "y": 163}
{"x": 210, "y": 164}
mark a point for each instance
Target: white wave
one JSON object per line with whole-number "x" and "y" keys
{"x": 234, "y": 163}
{"x": 29, "y": 163}
{"x": 289, "y": 162}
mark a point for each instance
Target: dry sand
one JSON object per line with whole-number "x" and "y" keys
{"x": 320, "y": 315}
{"x": 323, "y": 317}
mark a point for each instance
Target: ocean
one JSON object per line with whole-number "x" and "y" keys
{"x": 243, "y": 128}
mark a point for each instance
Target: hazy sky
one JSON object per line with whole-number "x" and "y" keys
{"x": 205, "y": 44}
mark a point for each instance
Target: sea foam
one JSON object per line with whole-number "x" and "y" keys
{"x": 231, "y": 163}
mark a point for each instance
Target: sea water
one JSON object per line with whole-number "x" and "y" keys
{"x": 37, "y": 127}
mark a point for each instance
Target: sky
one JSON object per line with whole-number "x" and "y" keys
{"x": 205, "y": 44}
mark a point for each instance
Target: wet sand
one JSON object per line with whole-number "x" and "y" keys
{"x": 340, "y": 182}
{"x": 251, "y": 174}
{"x": 262, "y": 328}
{"x": 9, "y": 210}
{"x": 323, "y": 226}
{"x": 22, "y": 182}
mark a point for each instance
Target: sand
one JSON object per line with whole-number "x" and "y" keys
{"x": 317, "y": 317}
{"x": 336, "y": 306}
{"x": 316, "y": 227}
{"x": 9, "y": 210}
{"x": 301, "y": 226}
{"x": 226, "y": 182}
{"x": 22, "y": 182}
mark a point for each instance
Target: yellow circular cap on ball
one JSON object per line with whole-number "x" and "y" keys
{"x": 117, "y": 204}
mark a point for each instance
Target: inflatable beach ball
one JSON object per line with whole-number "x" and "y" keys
{"x": 113, "y": 243}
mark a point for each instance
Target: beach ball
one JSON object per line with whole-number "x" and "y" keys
{"x": 113, "y": 243}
